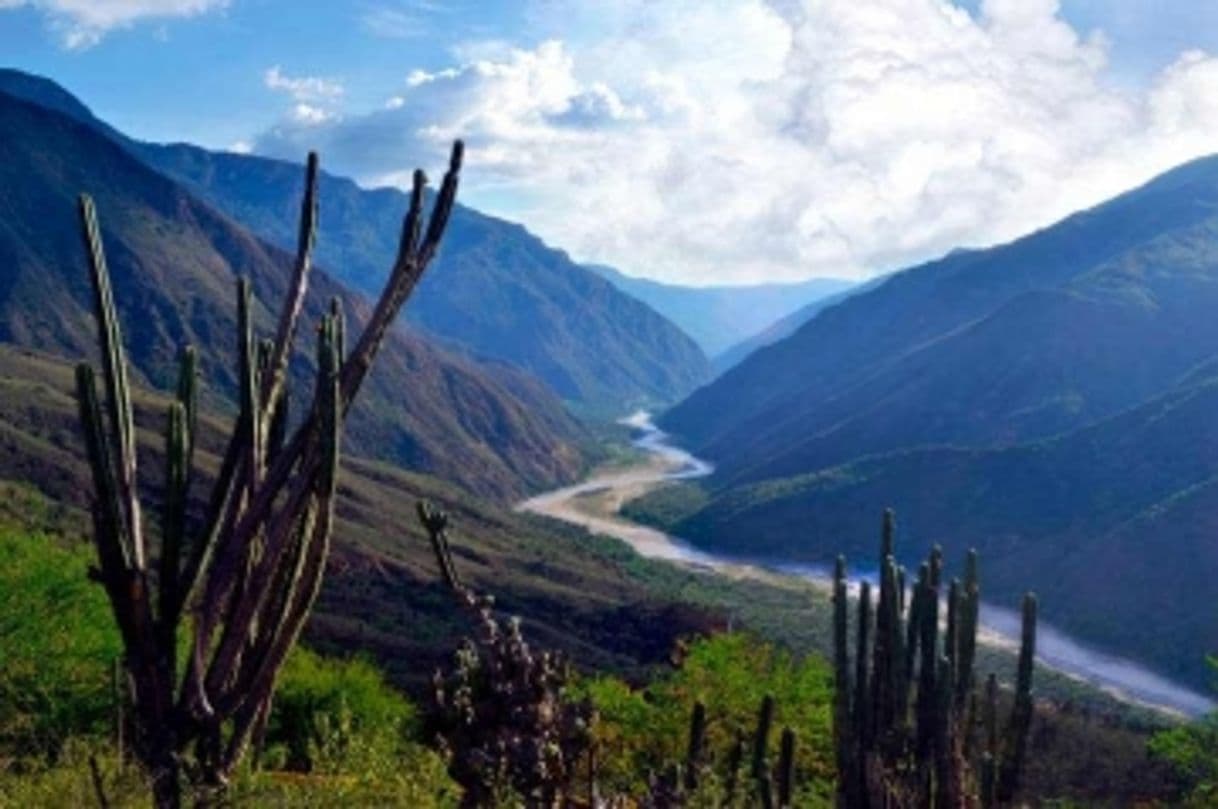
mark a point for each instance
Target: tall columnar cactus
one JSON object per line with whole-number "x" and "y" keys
{"x": 904, "y": 725}
{"x": 249, "y": 576}
{"x": 773, "y": 787}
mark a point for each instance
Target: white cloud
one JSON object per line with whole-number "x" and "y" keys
{"x": 309, "y": 115}
{"x": 302, "y": 88}
{"x": 730, "y": 140}
{"x": 82, "y": 23}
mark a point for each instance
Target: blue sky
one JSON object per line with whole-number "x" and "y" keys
{"x": 694, "y": 140}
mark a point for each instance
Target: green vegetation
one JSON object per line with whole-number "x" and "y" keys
{"x": 59, "y": 645}
{"x": 1192, "y": 753}
{"x": 643, "y": 730}
{"x": 338, "y": 731}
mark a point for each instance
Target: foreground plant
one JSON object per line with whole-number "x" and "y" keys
{"x": 907, "y": 708}
{"x": 248, "y": 577}
{"x": 501, "y": 714}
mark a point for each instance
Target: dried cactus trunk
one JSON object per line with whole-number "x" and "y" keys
{"x": 251, "y": 575}
{"x": 886, "y": 758}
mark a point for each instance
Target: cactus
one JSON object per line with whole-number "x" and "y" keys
{"x": 501, "y": 716}
{"x": 904, "y": 727}
{"x": 249, "y": 577}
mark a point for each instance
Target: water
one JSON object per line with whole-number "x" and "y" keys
{"x": 1124, "y": 679}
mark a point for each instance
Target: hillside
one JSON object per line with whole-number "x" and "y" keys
{"x": 496, "y": 291}
{"x": 991, "y": 347}
{"x": 1045, "y": 515}
{"x": 719, "y": 317}
{"x": 382, "y": 594}
{"x": 175, "y": 261}
{"x": 1049, "y": 401}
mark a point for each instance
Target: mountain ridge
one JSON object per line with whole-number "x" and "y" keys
{"x": 495, "y": 291}
{"x": 174, "y": 261}
{"x": 720, "y": 316}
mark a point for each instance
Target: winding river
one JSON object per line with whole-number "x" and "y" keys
{"x": 595, "y": 504}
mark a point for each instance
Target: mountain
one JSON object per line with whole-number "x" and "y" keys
{"x": 382, "y": 594}
{"x": 496, "y": 291}
{"x": 1112, "y": 525}
{"x": 174, "y": 262}
{"x": 1049, "y": 401}
{"x": 783, "y": 328}
{"x": 1048, "y": 333}
{"x": 718, "y": 317}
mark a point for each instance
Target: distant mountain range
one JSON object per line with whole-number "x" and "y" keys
{"x": 719, "y": 317}
{"x": 495, "y": 292}
{"x": 1053, "y": 401}
{"x": 783, "y": 327}
{"x": 175, "y": 260}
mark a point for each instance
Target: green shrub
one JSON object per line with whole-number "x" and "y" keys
{"x": 641, "y": 731}
{"x": 1192, "y": 752}
{"x": 59, "y": 643}
{"x": 332, "y": 716}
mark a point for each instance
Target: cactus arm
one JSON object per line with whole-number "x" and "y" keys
{"x": 761, "y": 742}
{"x": 842, "y": 737}
{"x": 786, "y": 769}
{"x": 1016, "y": 743}
{"x": 862, "y": 701}
{"x": 412, "y": 260}
{"x": 289, "y": 315}
{"x": 172, "y": 522}
{"x": 697, "y": 746}
{"x": 114, "y": 370}
{"x": 250, "y": 420}
{"x": 967, "y": 636}
{"x": 247, "y": 602}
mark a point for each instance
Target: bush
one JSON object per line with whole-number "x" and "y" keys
{"x": 642, "y": 731}
{"x": 59, "y": 644}
{"x": 332, "y": 716}
{"x": 1192, "y": 752}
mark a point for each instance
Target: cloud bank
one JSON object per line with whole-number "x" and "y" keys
{"x": 714, "y": 141}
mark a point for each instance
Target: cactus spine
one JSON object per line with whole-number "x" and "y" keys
{"x": 251, "y": 573}
{"x": 903, "y": 725}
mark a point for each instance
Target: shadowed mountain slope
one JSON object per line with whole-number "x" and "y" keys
{"x": 175, "y": 260}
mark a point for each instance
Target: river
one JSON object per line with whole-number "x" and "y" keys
{"x": 595, "y": 504}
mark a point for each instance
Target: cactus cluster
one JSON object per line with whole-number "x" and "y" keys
{"x": 248, "y": 574}
{"x": 767, "y": 784}
{"x": 503, "y": 722}
{"x": 907, "y": 708}
{"x": 500, "y": 714}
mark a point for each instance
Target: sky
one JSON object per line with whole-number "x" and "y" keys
{"x": 693, "y": 141}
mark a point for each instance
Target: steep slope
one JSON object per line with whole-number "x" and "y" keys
{"x": 175, "y": 261}
{"x": 496, "y": 290}
{"x": 718, "y": 317}
{"x": 382, "y": 593}
{"x": 1049, "y": 401}
{"x": 1112, "y": 525}
{"x": 983, "y": 347}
